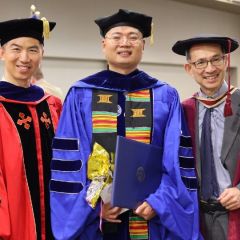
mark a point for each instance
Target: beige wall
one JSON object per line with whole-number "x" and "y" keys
{"x": 74, "y": 49}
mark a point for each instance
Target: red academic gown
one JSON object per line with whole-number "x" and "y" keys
{"x": 26, "y": 132}
{"x": 230, "y": 153}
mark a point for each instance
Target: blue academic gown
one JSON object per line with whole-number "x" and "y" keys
{"x": 175, "y": 200}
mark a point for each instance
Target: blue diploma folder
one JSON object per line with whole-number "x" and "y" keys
{"x": 137, "y": 172}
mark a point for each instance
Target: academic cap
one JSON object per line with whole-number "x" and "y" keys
{"x": 181, "y": 47}
{"x": 26, "y": 27}
{"x": 125, "y": 18}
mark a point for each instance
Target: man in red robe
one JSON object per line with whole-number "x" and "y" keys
{"x": 28, "y": 118}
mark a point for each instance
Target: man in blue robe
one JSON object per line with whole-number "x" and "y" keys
{"x": 127, "y": 102}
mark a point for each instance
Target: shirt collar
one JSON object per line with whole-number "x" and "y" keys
{"x": 219, "y": 92}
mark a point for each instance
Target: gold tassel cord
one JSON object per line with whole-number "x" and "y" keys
{"x": 46, "y": 27}
{"x": 151, "y": 36}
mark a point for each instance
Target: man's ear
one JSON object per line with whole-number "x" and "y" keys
{"x": 1, "y": 53}
{"x": 188, "y": 68}
{"x": 144, "y": 44}
{"x": 226, "y": 62}
{"x": 103, "y": 45}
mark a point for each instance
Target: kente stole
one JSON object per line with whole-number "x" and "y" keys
{"x": 137, "y": 124}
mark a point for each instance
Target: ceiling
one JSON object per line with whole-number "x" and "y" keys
{"x": 233, "y": 8}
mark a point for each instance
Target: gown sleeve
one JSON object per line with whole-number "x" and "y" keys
{"x": 4, "y": 211}
{"x": 5, "y": 229}
{"x": 175, "y": 201}
{"x": 71, "y": 216}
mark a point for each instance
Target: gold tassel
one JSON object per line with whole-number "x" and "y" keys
{"x": 46, "y": 28}
{"x": 151, "y": 36}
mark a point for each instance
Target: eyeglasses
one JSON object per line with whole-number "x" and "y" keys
{"x": 132, "y": 39}
{"x": 203, "y": 63}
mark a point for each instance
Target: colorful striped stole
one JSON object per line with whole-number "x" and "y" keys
{"x": 138, "y": 127}
{"x": 104, "y": 122}
{"x": 138, "y": 116}
{"x": 104, "y": 118}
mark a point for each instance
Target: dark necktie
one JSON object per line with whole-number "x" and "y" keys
{"x": 209, "y": 185}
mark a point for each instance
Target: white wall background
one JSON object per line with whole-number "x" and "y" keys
{"x": 74, "y": 49}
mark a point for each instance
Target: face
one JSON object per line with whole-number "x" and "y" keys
{"x": 212, "y": 76}
{"x": 123, "y": 48}
{"x": 21, "y": 57}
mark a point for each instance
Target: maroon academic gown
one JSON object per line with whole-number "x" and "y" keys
{"x": 232, "y": 163}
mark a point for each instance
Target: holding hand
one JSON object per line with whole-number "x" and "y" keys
{"x": 109, "y": 213}
{"x": 230, "y": 198}
{"x": 145, "y": 211}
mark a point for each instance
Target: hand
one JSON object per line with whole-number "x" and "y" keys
{"x": 230, "y": 198}
{"x": 145, "y": 211}
{"x": 110, "y": 213}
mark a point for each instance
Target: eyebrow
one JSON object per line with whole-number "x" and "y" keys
{"x": 17, "y": 45}
{"x": 14, "y": 45}
{"x": 118, "y": 32}
{"x": 216, "y": 55}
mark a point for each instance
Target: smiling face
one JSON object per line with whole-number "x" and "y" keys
{"x": 21, "y": 57}
{"x": 123, "y": 48}
{"x": 210, "y": 78}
